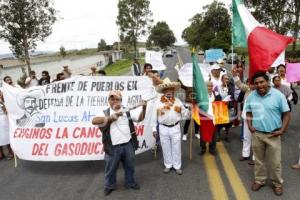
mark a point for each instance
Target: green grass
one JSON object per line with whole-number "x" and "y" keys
{"x": 120, "y": 67}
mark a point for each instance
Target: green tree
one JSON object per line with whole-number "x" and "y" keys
{"x": 274, "y": 14}
{"x": 162, "y": 35}
{"x": 62, "y": 51}
{"x": 149, "y": 43}
{"x": 134, "y": 20}
{"x": 210, "y": 29}
{"x": 294, "y": 10}
{"x": 191, "y": 34}
{"x": 102, "y": 45}
{"x": 24, "y": 23}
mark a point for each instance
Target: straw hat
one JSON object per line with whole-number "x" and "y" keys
{"x": 167, "y": 84}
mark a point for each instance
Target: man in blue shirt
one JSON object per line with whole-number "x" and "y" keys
{"x": 267, "y": 117}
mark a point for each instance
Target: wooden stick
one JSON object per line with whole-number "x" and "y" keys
{"x": 15, "y": 161}
{"x": 191, "y": 137}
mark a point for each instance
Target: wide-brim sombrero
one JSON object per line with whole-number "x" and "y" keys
{"x": 167, "y": 84}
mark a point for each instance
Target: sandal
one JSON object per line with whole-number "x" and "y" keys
{"x": 278, "y": 190}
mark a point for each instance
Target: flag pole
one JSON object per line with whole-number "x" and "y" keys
{"x": 232, "y": 37}
{"x": 191, "y": 122}
{"x": 191, "y": 136}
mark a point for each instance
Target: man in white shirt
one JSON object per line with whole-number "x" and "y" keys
{"x": 32, "y": 80}
{"x": 119, "y": 141}
{"x": 170, "y": 111}
{"x": 215, "y": 75}
{"x": 221, "y": 63}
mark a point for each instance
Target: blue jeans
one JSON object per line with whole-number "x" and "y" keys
{"x": 120, "y": 153}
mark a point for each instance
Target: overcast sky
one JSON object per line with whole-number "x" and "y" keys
{"x": 83, "y": 23}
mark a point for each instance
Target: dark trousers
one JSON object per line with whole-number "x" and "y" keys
{"x": 187, "y": 124}
{"x": 123, "y": 153}
{"x": 212, "y": 144}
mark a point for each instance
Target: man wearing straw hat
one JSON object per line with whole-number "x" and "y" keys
{"x": 119, "y": 141}
{"x": 170, "y": 111}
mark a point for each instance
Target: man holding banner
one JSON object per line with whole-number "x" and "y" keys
{"x": 119, "y": 141}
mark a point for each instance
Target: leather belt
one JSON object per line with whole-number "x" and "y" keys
{"x": 123, "y": 144}
{"x": 172, "y": 125}
{"x": 268, "y": 132}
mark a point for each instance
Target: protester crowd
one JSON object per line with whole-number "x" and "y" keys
{"x": 260, "y": 107}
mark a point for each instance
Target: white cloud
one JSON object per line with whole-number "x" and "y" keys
{"x": 85, "y": 22}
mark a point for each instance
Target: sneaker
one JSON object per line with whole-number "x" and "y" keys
{"x": 197, "y": 136}
{"x": 244, "y": 158}
{"x": 184, "y": 137}
{"x": 107, "y": 191}
{"x": 167, "y": 170}
{"x": 135, "y": 187}
{"x": 178, "y": 171}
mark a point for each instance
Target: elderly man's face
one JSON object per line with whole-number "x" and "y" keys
{"x": 115, "y": 102}
{"x": 169, "y": 92}
{"x": 30, "y": 104}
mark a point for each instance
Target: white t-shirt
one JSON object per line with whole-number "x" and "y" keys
{"x": 119, "y": 129}
{"x": 216, "y": 82}
{"x": 32, "y": 82}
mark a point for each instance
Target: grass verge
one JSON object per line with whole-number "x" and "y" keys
{"x": 120, "y": 67}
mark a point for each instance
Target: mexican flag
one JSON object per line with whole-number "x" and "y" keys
{"x": 264, "y": 45}
{"x": 201, "y": 103}
{"x": 199, "y": 87}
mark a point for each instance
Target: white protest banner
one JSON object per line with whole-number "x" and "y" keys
{"x": 155, "y": 59}
{"x": 53, "y": 122}
{"x": 185, "y": 73}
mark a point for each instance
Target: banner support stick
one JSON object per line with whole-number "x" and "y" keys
{"x": 15, "y": 161}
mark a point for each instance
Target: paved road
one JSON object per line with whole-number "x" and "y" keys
{"x": 221, "y": 177}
